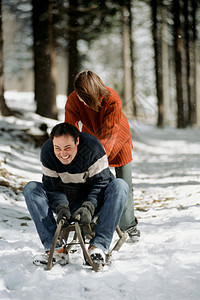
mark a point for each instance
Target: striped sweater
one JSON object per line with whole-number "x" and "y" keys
{"x": 84, "y": 179}
{"x": 109, "y": 125}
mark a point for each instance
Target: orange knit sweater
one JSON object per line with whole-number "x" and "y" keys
{"x": 109, "y": 125}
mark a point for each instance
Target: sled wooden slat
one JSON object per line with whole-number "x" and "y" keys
{"x": 78, "y": 238}
{"x": 53, "y": 245}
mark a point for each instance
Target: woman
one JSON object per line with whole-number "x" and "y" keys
{"x": 99, "y": 108}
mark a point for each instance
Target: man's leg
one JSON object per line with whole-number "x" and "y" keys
{"x": 42, "y": 215}
{"x": 127, "y": 219}
{"x": 110, "y": 213}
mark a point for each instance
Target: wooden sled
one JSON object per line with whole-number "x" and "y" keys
{"x": 80, "y": 233}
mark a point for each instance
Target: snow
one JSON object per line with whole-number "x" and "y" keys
{"x": 164, "y": 264}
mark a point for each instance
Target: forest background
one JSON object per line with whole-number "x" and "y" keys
{"x": 148, "y": 51}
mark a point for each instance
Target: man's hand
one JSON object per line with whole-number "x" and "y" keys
{"x": 86, "y": 212}
{"x": 63, "y": 212}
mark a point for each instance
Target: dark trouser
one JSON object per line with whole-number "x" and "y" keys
{"x": 127, "y": 219}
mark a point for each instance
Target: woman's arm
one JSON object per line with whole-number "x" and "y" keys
{"x": 111, "y": 123}
{"x": 72, "y": 115}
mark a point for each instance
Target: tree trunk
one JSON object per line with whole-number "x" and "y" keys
{"x": 72, "y": 50}
{"x": 132, "y": 57}
{"x": 44, "y": 59}
{"x": 157, "y": 42}
{"x": 178, "y": 64}
{"x": 4, "y": 110}
{"x": 165, "y": 68}
{"x": 188, "y": 63}
{"x": 195, "y": 105}
{"x": 127, "y": 63}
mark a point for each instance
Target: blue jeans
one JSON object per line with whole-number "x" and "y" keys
{"x": 109, "y": 214}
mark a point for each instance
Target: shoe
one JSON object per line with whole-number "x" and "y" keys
{"x": 133, "y": 232}
{"x": 61, "y": 250}
{"x": 97, "y": 255}
{"x": 60, "y": 256}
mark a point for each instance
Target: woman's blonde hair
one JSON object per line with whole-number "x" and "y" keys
{"x": 90, "y": 88}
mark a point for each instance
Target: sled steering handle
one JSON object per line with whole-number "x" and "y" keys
{"x": 62, "y": 221}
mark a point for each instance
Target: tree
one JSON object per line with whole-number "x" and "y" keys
{"x": 195, "y": 105}
{"x": 4, "y": 110}
{"x": 44, "y": 58}
{"x": 127, "y": 47}
{"x": 84, "y": 20}
{"x": 72, "y": 49}
{"x": 165, "y": 66}
{"x": 188, "y": 64}
{"x": 178, "y": 49}
{"x": 157, "y": 44}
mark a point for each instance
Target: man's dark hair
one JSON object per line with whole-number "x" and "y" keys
{"x": 64, "y": 129}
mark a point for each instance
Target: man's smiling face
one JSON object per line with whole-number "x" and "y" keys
{"x": 65, "y": 148}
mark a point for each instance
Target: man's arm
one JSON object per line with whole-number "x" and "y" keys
{"x": 98, "y": 179}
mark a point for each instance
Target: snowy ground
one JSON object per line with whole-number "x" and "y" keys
{"x": 164, "y": 264}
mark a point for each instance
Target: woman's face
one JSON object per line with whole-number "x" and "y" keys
{"x": 81, "y": 100}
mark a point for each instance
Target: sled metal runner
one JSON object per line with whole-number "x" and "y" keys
{"x": 80, "y": 232}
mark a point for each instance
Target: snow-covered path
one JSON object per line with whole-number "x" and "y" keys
{"x": 164, "y": 264}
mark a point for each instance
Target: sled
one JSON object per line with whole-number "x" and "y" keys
{"x": 80, "y": 233}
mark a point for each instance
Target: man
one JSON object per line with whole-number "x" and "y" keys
{"x": 76, "y": 180}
